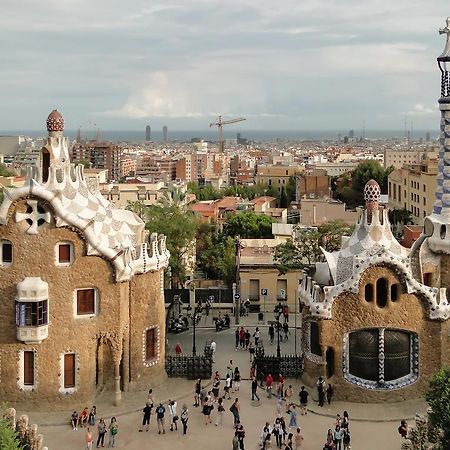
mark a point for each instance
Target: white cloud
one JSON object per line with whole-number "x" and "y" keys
{"x": 420, "y": 110}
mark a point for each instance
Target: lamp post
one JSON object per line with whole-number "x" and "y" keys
{"x": 194, "y": 350}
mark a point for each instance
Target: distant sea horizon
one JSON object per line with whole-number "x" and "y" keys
{"x": 211, "y": 135}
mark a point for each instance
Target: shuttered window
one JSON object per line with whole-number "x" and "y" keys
{"x": 28, "y": 368}
{"x": 64, "y": 253}
{"x": 85, "y": 301}
{"x": 254, "y": 289}
{"x": 150, "y": 343}
{"x": 69, "y": 370}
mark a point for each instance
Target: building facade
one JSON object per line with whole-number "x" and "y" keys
{"x": 413, "y": 187}
{"x": 82, "y": 289}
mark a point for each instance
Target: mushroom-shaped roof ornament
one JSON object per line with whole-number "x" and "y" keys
{"x": 55, "y": 122}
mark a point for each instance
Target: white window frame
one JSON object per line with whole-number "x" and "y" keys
{"x": 64, "y": 264}
{"x": 96, "y": 304}
{"x": 20, "y": 379}
{"x": 62, "y": 389}
{"x": 2, "y": 263}
{"x": 155, "y": 360}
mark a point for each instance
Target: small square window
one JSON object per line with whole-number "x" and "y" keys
{"x": 6, "y": 252}
{"x": 86, "y": 302}
{"x": 64, "y": 254}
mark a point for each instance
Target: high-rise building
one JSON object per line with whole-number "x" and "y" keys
{"x": 165, "y": 133}
{"x": 351, "y": 134}
{"x": 148, "y": 133}
{"x": 100, "y": 155}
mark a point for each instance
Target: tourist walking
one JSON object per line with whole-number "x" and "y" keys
{"x": 216, "y": 385}
{"x": 172, "y": 406}
{"x": 330, "y": 393}
{"x": 84, "y": 417}
{"x": 146, "y": 418}
{"x": 286, "y": 330}
{"x": 278, "y": 432}
{"x": 403, "y": 429}
{"x": 288, "y": 394}
{"x": 150, "y": 397}
{"x": 247, "y": 339}
{"x": 220, "y": 411}
{"x": 251, "y": 351}
{"x": 184, "y": 417}
{"x": 197, "y": 392}
{"x": 286, "y": 314}
{"x": 345, "y": 423}
{"x": 254, "y": 389}
{"x": 101, "y": 430}
{"x": 92, "y": 415}
{"x": 237, "y": 379}
{"x": 271, "y": 333}
{"x": 178, "y": 349}
{"x": 256, "y": 336}
{"x": 207, "y": 408}
{"x": 269, "y": 382}
{"x": 298, "y": 439}
{"x": 160, "y": 411}
{"x": 303, "y": 397}
{"x": 289, "y": 443}
{"x": 89, "y": 439}
{"x": 346, "y": 439}
{"x": 213, "y": 347}
{"x": 293, "y": 417}
{"x": 242, "y": 337}
{"x": 112, "y": 432}
{"x": 235, "y": 441}
{"x": 236, "y": 338}
{"x": 227, "y": 387}
{"x": 235, "y": 410}
{"x": 338, "y": 437}
{"x": 321, "y": 388}
{"x": 329, "y": 444}
{"x": 241, "y": 435}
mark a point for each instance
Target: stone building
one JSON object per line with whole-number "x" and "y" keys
{"x": 376, "y": 314}
{"x": 81, "y": 286}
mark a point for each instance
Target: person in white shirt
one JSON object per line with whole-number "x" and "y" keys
{"x": 213, "y": 349}
{"x": 227, "y": 386}
{"x": 173, "y": 414}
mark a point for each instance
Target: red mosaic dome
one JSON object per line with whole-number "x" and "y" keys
{"x": 55, "y": 121}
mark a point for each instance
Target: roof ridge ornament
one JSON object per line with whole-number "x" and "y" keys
{"x": 446, "y": 30}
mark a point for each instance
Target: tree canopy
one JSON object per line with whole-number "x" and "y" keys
{"x": 5, "y": 172}
{"x": 351, "y": 188}
{"x": 438, "y": 397}
{"x": 180, "y": 227}
{"x": 248, "y": 225}
{"x": 304, "y": 250}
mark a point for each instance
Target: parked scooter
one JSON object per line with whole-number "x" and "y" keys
{"x": 222, "y": 322}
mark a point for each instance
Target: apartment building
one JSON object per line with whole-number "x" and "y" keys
{"x": 158, "y": 168}
{"x": 413, "y": 187}
{"x": 276, "y": 175}
{"x": 398, "y": 158}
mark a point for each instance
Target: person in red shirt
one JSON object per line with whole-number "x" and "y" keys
{"x": 178, "y": 349}
{"x": 269, "y": 382}
{"x": 242, "y": 337}
{"x": 286, "y": 314}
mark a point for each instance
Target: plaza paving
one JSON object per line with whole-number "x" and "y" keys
{"x": 373, "y": 427}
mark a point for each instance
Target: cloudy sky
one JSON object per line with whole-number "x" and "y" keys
{"x": 283, "y": 64}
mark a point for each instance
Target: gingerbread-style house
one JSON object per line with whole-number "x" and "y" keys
{"x": 376, "y": 317}
{"x": 82, "y": 289}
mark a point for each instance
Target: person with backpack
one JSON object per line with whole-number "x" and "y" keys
{"x": 113, "y": 429}
{"x": 184, "y": 417}
{"x": 220, "y": 411}
{"x": 321, "y": 388}
{"x": 254, "y": 389}
{"x": 235, "y": 410}
{"x": 173, "y": 415}
{"x": 160, "y": 411}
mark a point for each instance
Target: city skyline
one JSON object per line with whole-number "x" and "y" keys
{"x": 309, "y": 66}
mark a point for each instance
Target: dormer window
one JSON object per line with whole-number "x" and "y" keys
{"x": 64, "y": 254}
{"x": 6, "y": 250}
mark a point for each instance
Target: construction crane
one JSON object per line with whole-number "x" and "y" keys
{"x": 219, "y": 123}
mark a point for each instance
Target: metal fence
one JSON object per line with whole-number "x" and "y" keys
{"x": 189, "y": 366}
{"x": 289, "y": 365}
{"x": 216, "y": 295}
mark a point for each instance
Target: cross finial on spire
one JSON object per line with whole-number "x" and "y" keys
{"x": 446, "y": 30}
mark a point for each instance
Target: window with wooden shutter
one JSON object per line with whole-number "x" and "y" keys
{"x": 150, "y": 343}
{"x": 85, "y": 301}
{"x": 28, "y": 368}
{"x": 69, "y": 370}
{"x": 64, "y": 253}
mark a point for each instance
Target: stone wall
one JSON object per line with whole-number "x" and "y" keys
{"x": 351, "y": 312}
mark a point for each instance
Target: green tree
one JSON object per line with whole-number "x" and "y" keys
{"x": 5, "y": 172}
{"x": 139, "y": 208}
{"x": 330, "y": 234}
{"x": 283, "y": 200}
{"x": 438, "y": 397}
{"x": 8, "y": 437}
{"x": 402, "y": 216}
{"x": 248, "y": 225}
{"x": 291, "y": 189}
{"x": 82, "y": 162}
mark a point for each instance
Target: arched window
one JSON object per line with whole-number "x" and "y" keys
{"x": 381, "y": 358}
{"x": 314, "y": 341}
{"x": 395, "y": 292}
{"x": 382, "y": 292}
{"x": 368, "y": 292}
